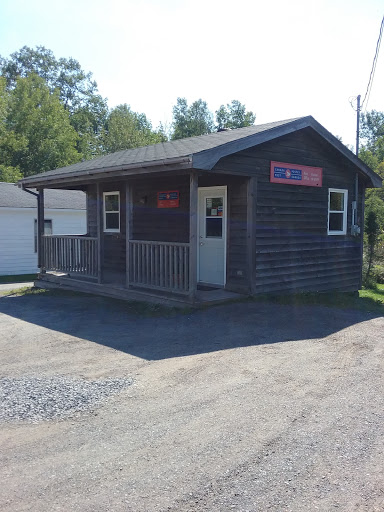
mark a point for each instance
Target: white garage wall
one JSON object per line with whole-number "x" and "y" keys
{"x": 17, "y": 254}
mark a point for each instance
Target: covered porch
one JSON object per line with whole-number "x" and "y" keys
{"x": 153, "y": 253}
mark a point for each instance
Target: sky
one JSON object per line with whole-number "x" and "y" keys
{"x": 282, "y": 59}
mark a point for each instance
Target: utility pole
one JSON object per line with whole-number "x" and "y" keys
{"x": 358, "y": 125}
{"x": 355, "y": 229}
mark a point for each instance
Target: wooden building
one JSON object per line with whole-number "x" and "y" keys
{"x": 271, "y": 208}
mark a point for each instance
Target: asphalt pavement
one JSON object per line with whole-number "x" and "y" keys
{"x": 241, "y": 407}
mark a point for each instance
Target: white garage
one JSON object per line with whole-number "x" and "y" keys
{"x": 65, "y": 214}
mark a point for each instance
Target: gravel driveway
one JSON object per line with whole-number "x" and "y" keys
{"x": 244, "y": 407}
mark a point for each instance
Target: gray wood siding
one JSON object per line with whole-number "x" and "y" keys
{"x": 113, "y": 244}
{"x": 237, "y": 266}
{"x": 160, "y": 224}
{"x": 293, "y": 249}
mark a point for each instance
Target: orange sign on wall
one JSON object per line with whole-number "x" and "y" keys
{"x": 295, "y": 174}
{"x": 169, "y": 199}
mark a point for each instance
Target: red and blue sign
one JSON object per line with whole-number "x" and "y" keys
{"x": 294, "y": 174}
{"x": 169, "y": 199}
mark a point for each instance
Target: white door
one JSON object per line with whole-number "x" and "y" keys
{"x": 212, "y": 235}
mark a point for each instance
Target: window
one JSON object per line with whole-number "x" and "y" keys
{"x": 111, "y": 211}
{"x": 214, "y": 217}
{"x": 337, "y": 211}
{"x": 47, "y": 230}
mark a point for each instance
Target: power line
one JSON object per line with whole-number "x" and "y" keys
{"x": 372, "y": 74}
{"x": 352, "y": 100}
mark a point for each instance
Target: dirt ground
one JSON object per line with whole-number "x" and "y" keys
{"x": 244, "y": 407}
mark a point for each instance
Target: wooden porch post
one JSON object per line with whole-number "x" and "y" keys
{"x": 193, "y": 205}
{"x": 128, "y": 230}
{"x": 40, "y": 229}
{"x": 251, "y": 233}
{"x": 99, "y": 206}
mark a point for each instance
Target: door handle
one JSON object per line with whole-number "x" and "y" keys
{"x": 201, "y": 243}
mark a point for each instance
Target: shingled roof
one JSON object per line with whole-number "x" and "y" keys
{"x": 11, "y": 196}
{"x": 201, "y": 152}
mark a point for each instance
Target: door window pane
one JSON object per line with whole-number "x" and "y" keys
{"x": 214, "y": 206}
{"x": 214, "y": 227}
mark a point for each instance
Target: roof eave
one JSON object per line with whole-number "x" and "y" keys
{"x": 207, "y": 159}
{"x": 374, "y": 179}
{"x": 38, "y": 181}
{"x": 203, "y": 160}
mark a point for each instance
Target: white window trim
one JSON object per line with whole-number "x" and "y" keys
{"x": 344, "y": 212}
{"x": 110, "y": 230}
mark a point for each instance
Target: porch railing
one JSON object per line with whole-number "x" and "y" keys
{"x": 72, "y": 254}
{"x": 159, "y": 265}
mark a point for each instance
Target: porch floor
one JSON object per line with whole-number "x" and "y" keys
{"x": 117, "y": 290}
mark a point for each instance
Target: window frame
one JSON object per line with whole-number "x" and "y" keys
{"x": 214, "y": 196}
{"x": 105, "y": 213}
{"x": 344, "y": 212}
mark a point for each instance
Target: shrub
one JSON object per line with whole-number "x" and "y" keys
{"x": 378, "y": 273}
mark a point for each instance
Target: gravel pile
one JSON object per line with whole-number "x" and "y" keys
{"x": 37, "y": 399}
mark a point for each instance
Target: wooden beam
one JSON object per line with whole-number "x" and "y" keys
{"x": 251, "y": 232}
{"x": 128, "y": 229}
{"x": 83, "y": 182}
{"x": 193, "y": 216}
{"x": 99, "y": 203}
{"x": 40, "y": 230}
{"x": 63, "y": 180}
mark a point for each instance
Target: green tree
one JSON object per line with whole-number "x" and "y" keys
{"x": 368, "y": 157}
{"x": 192, "y": 120}
{"x": 90, "y": 122}
{"x": 372, "y": 149}
{"x": 234, "y": 115}
{"x": 74, "y": 84}
{"x": 372, "y": 232}
{"x": 76, "y": 88}
{"x": 9, "y": 141}
{"x": 127, "y": 129}
{"x": 372, "y": 128}
{"x": 10, "y": 174}
{"x": 38, "y": 135}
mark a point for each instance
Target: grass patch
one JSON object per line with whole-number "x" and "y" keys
{"x": 23, "y": 290}
{"x": 22, "y": 278}
{"x": 376, "y": 295}
{"x": 131, "y": 307}
{"x": 365, "y": 300}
